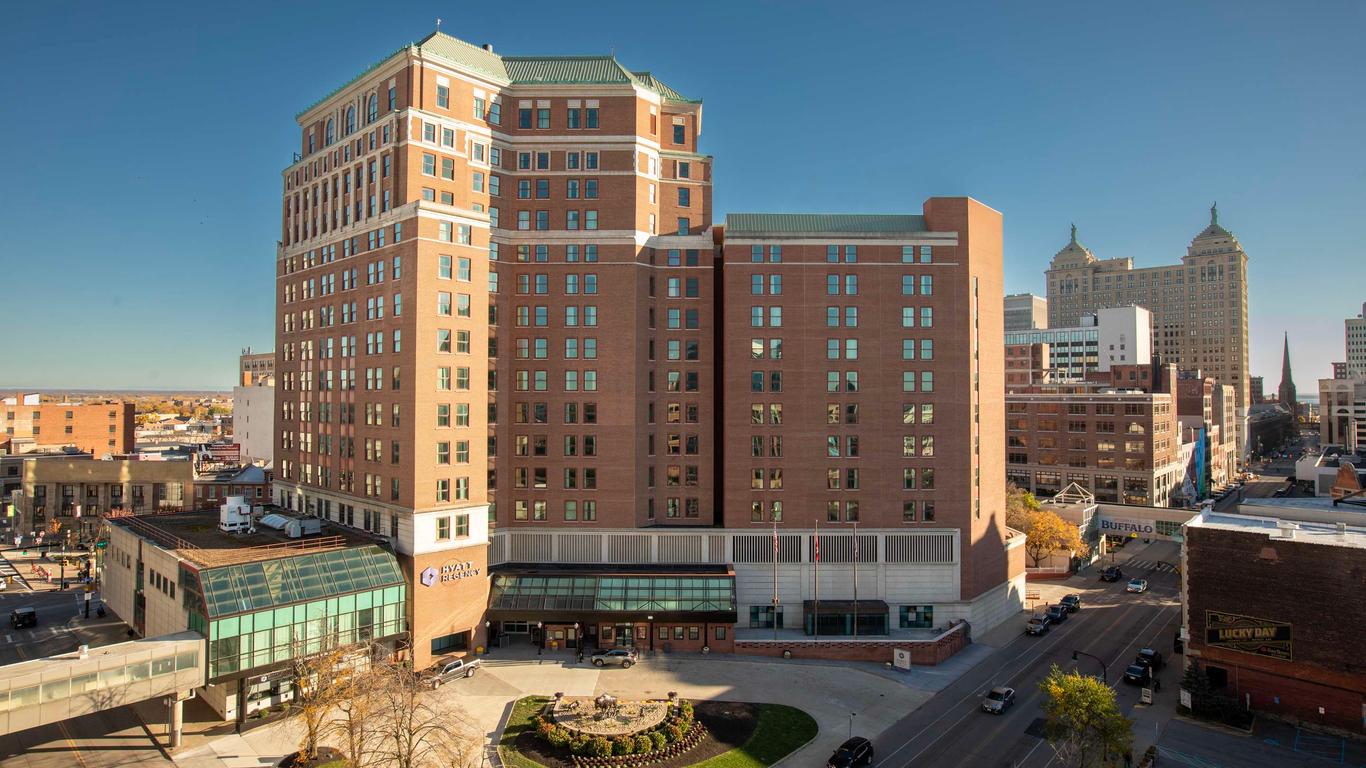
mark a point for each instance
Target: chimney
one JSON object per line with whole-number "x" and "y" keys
{"x": 84, "y": 651}
{"x": 1342, "y": 531}
{"x": 488, "y": 47}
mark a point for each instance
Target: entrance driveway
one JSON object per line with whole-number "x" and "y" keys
{"x": 828, "y": 692}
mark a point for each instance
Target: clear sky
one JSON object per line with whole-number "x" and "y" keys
{"x": 140, "y": 210}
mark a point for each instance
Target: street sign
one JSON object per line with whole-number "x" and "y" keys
{"x": 1146, "y": 696}
{"x": 1185, "y": 698}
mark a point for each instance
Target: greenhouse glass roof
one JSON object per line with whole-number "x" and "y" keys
{"x": 282, "y": 581}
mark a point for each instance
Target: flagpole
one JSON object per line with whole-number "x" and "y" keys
{"x": 775, "y": 579}
{"x": 855, "y": 579}
{"x": 816, "y": 585}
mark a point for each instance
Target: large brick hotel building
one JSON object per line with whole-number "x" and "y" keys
{"x": 511, "y": 341}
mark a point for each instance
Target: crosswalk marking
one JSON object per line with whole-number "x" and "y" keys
{"x": 1151, "y": 565}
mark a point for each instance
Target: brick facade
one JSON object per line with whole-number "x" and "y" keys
{"x": 1313, "y": 586}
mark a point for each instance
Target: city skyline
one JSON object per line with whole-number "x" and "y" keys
{"x": 1029, "y": 143}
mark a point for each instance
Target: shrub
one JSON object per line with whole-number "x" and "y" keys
{"x": 599, "y": 746}
{"x": 644, "y": 744}
{"x": 544, "y": 728}
{"x": 623, "y": 745}
{"x": 673, "y": 732}
{"x": 659, "y": 739}
{"x": 558, "y": 737}
{"x": 578, "y": 744}
{"x": 687, "y": 710}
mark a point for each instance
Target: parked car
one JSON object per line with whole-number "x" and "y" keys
{"x": 23, "y": 617}
{"x": 998, "y": 699}
{"x": 1071, "y": 602}
{"x": 1151, "y": 658}
{"x": 622, "y": 656}
{"x": 1137, "y": 585}
{"x": 1113, "y": 573}
{"x": 1038, "y": 624}
{"x": 449, "y": 668}
{"x": 857, "y": 751}
{"x": 1138, "y": 674}
{"x": 1057, "y": 613}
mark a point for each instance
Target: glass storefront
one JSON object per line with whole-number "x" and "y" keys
{"x": 268, "y": 612}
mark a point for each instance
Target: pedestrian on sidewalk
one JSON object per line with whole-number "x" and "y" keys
{"x": 1128, "y": 759}
{"x": 1157, "y": 684}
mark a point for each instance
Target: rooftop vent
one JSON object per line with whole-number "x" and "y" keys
{"x": 488, "y": 47}
{"x": 1286, "y": 529}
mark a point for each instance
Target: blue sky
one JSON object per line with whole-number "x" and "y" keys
{"x": 140, "y": 213}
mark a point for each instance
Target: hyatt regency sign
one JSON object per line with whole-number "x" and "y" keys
{"x": 1248, "y": 634}
{"x": 448, "y": 572}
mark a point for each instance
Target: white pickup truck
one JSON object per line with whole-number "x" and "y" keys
{"x": 449, "y": 668}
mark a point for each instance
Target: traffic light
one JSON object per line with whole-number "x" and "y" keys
{"x": 102, "y": 544}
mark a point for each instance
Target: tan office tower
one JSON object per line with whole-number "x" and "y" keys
{"x": 1199, "y": 307}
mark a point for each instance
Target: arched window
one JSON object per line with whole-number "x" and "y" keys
{"x": 329, "y": 134}
{"x": 372, "y": 108}
{"x": 350, "y": 119}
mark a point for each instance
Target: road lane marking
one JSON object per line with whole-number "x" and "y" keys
{"x": 1053, "y": 641}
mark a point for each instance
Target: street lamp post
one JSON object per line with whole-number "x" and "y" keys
{"x": 1097, "y": 659}
{"x": 851, "y": 724}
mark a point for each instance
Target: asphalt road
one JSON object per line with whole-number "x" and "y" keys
{"x": 952, "y": 730}
{"x": 102, "y": 740}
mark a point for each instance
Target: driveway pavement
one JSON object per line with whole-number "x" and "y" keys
{"x": 830, "y": 693}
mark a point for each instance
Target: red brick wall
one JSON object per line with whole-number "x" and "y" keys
{"x": 1313, "y": 586}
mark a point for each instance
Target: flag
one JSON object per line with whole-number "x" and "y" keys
{"x": 856, "y": 542}
{"x": 775, "y": 541}
{"x": 818, "y": 543}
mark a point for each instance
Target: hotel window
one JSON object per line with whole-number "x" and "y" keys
{"x": 926, "y": 257}
{"x": 684, "y": 197}
{"x": 428, "y": 164}
{"x": 680, "y": 134}
{"x": 443, "y": 97}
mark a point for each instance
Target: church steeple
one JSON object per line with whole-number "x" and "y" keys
{"x": 1286, "y": 393}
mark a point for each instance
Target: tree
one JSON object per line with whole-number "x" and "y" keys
{"x": 319, "y": 678}
{"x": 1019, "y": 503}
{"x": 414, "y": 731}
{"x": 1046, "y": 533}
{"x": 354, "y": 718}
{"x": 1083, "y": 721}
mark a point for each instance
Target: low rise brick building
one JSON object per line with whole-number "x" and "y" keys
{"x": 1272, "y": 612}
{"x": 28, "y": 423}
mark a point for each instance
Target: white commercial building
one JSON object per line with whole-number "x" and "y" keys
{"x": 253, "y": 421}
{"x": 1105, "y": 338}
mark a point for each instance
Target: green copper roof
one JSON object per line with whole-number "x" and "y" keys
{"x": 565, "y": 69}
{"x": 648, "y": 80}
{"x": 867, "y": 224}
{"x": 523, "y": 70}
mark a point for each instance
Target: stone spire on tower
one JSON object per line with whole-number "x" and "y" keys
{"x": 1286, "y": 393}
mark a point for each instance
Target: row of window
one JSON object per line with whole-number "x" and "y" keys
{"x": 910, "y": 254}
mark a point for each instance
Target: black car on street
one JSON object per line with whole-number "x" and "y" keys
{"x": 853, "y": 753}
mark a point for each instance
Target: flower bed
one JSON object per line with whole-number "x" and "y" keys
{"x": 673, "y": 732}
{"x": 580, "y": 716}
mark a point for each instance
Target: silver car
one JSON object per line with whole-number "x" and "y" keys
{"x": 998, "y": 699}
{"x": 624, "y": 657}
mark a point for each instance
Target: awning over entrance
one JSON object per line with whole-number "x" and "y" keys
{"x": 553, "y": 593}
